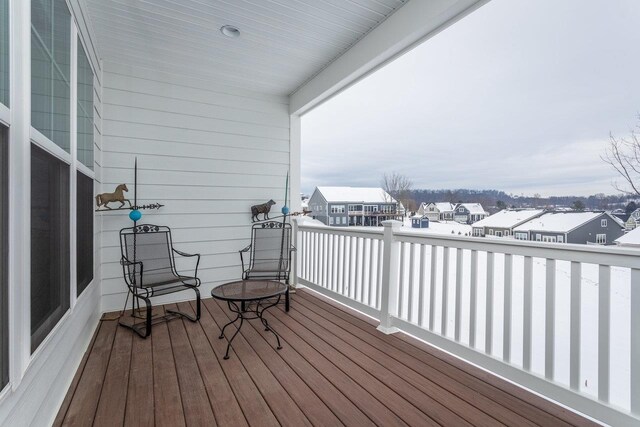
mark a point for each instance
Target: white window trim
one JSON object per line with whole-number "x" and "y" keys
{"x": 603, "y": 222}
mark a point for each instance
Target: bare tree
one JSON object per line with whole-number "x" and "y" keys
{"x": 623, "y": 154}
{"x": 399, "y": 187}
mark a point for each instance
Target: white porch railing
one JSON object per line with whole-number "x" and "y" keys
{"x": 539, "y": 314}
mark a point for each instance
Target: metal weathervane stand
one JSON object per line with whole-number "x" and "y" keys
{"x": 135, "y": 215}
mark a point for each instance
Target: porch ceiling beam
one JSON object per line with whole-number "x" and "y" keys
{"x": 409, "y": 26}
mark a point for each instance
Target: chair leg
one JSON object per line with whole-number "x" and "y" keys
{"x": 137, "y": 327}
{"x": 189, "y": 316}
{"x": 286, "y": 299}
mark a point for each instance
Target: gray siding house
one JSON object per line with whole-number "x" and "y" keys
{"x": 353, "y": 206}
{"x": 571, "y": 227}
{"x": 442, "y": 211}
{"x": 502, "y": 224}
{"x": 469, "y": 213}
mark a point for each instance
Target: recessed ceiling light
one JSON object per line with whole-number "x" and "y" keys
{"x": 230, "y": 31}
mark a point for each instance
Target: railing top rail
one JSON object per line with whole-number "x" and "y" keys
{"x": 604, "y": 255}
{"x": 376, "y": 233}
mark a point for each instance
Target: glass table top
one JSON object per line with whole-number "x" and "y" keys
{"x": 248, "y": 290}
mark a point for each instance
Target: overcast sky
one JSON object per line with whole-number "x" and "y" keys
{"x": 519, "y": 96}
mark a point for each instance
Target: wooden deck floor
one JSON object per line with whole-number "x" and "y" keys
{"x": 334, "y": 369}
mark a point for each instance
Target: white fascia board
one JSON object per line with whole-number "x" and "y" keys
{"x": 409, "y": 26}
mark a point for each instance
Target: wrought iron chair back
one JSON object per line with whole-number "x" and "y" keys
{"x": 149, "y": 269}
{"x": 269, "y": 253}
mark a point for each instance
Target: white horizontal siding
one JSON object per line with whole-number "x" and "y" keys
{"x": 205, "y": 151}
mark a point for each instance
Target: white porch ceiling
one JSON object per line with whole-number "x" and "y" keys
{"x": 283, "y": 43}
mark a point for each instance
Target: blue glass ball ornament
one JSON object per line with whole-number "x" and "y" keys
{"x": 285, "y": 210}
{"x": 135, "y": 215}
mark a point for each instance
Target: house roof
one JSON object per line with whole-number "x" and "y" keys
{"x": 562, "y": 222}
{"x": 474, "y": 208}
{"x": 631, "y": 238}
{"x": 508, "y": 218}
{"x": 356, "y": 194}
{"x": 442, "y": 206}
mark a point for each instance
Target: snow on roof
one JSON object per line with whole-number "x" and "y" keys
{"x": 356, "y": 194}
{"x": 558, "y": 221}
{"x": 508, "y": 218}
{"x": 474, "y": 208}
{"x": 442, "y": 206}
{"x": 631, "y": 238}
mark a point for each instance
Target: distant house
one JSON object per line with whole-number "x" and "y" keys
{"x": 633, "y": 221}
{"x": 502, "y": 224}
{"x": 469, "y": 213}
{"x": 437, "y": 211}
{"x": 631, "y": 239}
{"x": 571, "y": 227}
{"x": 419, "y": 221}
{"x": 352, "y": 206}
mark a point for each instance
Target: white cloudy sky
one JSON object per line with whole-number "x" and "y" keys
{"x": 519, "y": 96}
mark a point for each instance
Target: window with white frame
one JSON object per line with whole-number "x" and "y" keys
{"x": 330, "y": 220}
{"x": 388, "y": 209}
{"x": 477, "y": 231}
{"x": 4, "y": 257}
{"x": 49, "y": 243}
{"x": 337, "y": 209}
{"x": 370, "y": 208}
{"x": 51, "y": 70}
{"x": 355, "y": 208}
{"x": 601, "y": 239}
{"x": 4, "y": 52}
{"x": 521, "y": 236}
{"x": 603, "y": 223}
{"x": 560, "y": 239}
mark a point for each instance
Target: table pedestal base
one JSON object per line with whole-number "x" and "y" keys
{"x": 247, "y": 313}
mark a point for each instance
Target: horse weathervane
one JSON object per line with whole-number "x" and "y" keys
{"x": 103, "y": 200}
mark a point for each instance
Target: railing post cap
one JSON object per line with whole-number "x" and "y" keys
{"x": 392, "y": 223}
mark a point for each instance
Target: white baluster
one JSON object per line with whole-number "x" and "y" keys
{"x": 574, "y": 345}
{"x": 459, "y": 265}
{"x": 444, "y": 327}
{"x": 550, "y": 319}
{"x": 488, "y": 339}
{"x": 473, "y": 299}
{"x": 506, "y": 334}
{"x": 604, "y": 319}
{"x": 527, "y": 313}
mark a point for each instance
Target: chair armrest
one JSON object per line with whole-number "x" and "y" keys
{"x": 126, "y": 262}
{"x": 241, "y": 251}
{"x": 184, "y": 254}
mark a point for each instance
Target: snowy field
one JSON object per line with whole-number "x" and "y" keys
{"x": 620, "y": 305}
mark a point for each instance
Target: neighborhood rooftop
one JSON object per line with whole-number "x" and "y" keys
{"x": 558, "y": 221}
{"x": 508, "y": 218}
{"x": 356, "y": 194}
{"x": 473, "y": 208}
{"x": 632, "y": 238}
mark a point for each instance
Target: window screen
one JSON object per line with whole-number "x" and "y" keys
{"x": 50, "y": 69}
{"x": 4, "y": 258}
{"x": 49, "y": 243}
{"x": 84, "y": 232}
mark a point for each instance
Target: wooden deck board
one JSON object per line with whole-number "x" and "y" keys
{"x": 334, "y": 368}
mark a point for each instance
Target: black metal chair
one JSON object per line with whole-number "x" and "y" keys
{"x": 269, "y": 254}
{"x": 149, "y": 268}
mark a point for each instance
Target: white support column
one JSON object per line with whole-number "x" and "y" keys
{"x": 296, "y": 241}
{"x": 390, "y": 269}
{"x": 295, "y": 141}
{"x": 73, "y": 177}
